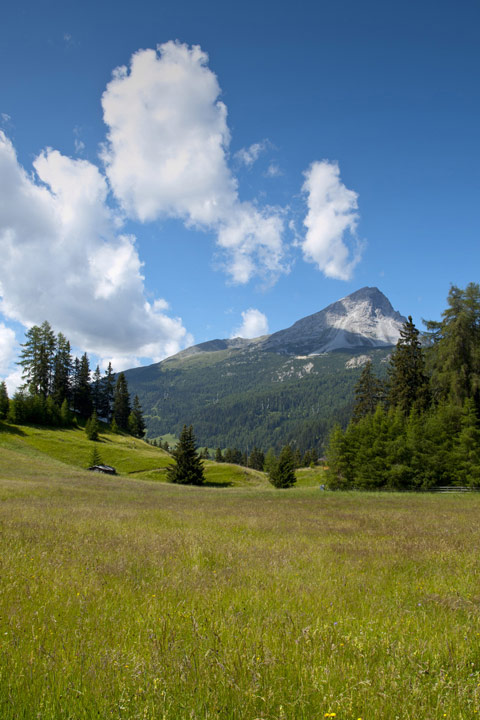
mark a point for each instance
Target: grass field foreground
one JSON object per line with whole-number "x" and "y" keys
{"x": 132, "y": 599}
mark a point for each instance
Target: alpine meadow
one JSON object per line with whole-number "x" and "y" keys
{"x": 239, "y": 360}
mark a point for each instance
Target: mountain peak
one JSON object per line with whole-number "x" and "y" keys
{"x": 363, "y": 319}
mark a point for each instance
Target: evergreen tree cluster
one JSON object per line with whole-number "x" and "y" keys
{"x": 420, "y": 428}
{"x": 256, "y": 458}
{"x": 58, "y": 388}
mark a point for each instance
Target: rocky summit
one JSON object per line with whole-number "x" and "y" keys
{"x": 365, "y": 318}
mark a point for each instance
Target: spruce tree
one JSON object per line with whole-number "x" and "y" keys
{"x": 121, "y": 403}
{"x": 407, "y": 383}
{"x": 95, "y": 458}
{"x": 107, "y": 393}
{"x": 62, "y": 370}
{"x": 218, "y": 455}
{"x": 96, "y": 389}
{"x": 135, "y": 421}
{"x": 256, "y": 459}
{"x": 282, "y": 475}
{"x": 65, "y": 414}
{"x": 4, "y": 402}
{"x": 368, "y": 393}
{"x": 188, "y": 467}
{"x": 466, "y": 457}
{"x": 92, "y": 427}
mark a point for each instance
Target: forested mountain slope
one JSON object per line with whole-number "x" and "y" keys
{"x": 287, "y": 387}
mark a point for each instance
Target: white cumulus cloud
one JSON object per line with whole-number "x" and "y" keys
{"x": 254, "y": 324}
{"x": 65, "y": 260}
{"x": 166, "y": 156}
{"x": 7, "y": 349}
{"x": 331, "y": 222}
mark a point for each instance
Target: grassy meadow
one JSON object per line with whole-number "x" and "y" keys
{"x": 125, "y": 597}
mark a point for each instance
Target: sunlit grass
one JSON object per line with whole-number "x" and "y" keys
{"x": 129, "y": 599}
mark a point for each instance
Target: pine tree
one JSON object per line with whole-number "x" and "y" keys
{"x": 408, "y": 383}
{"x": 4, "y": 402}
{"x": 188, "y": 467}
{"x": 368, "y": 393}
{"x": 136, "y": 422}
{"x": 282, "y": 475}
{"x": 218, "y": 455}
{"x": 121, "y": 403}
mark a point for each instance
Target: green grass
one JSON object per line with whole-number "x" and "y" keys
{"x": 132, "y": 599}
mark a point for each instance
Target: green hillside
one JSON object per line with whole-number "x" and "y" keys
{"x": 245, "y": 397}
{"x": 30, "y": 451}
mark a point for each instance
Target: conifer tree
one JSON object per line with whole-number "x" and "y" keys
{"x": 218, "y": 455}
{"x": 368, "y": 393}
{"x": 297, "y": 458}
{"x": 92, "y": 427}
{"x": 107, "y": 392}
{"x": 37, "y": 359}
{"x": 95, "y": 458}
{"x": 121, "y": 403}
{"x": 467, "y": 450}
{"x": 62, "y": 370}
{"x": 4, "y": 402}
{"x": 455, "y": 353}
{"x": 256, "y": 459}
{"x": 408, "y": 383}
{"x": 65, "y": 414}
{"x": 188, "y": 467}
{"x": 270, "y": 461}
{"x": 282, "y": 475}
{"x": 96, "y": 390}
{"x": 136, "y": 424}
{"x": 307, "y": 459}
{"x": 83, "y": 391}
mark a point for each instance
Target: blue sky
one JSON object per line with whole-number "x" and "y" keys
{"x": 248, "y": 165}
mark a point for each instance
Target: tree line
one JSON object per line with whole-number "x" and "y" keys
{"x": 420, "y": 428}
{"x": 57, "y": 388}
{"x": 187, "y": 468}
